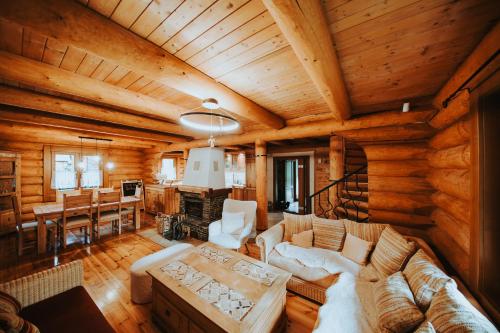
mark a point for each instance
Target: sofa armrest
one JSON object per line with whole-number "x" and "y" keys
{"x": 42, "y": 285}
{"x": 269, "y": 239}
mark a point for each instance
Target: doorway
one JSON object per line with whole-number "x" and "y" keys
{"x": 291, "y": 183}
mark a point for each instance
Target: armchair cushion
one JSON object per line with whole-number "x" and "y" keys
{"x": 227, "y": 241}
{"x": 232, "y": 223}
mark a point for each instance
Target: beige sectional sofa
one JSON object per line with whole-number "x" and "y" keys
{"x": 353, "y": 294}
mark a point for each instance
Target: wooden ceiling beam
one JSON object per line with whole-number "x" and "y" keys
{"x": 487, "y": 48}
{"x": 314, "y": 129}
{"x": 57, "y": 105}
{"x": 304, "y": 24}
{"x": 50, "y": 135}
{"x": 71, "y": 23}
{"x": 41, "y": 118}
{"x": 34, "y": 73}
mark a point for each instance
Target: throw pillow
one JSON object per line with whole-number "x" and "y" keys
{"x": 232, "y": 223}
{"x": 295, "y": 224}
{"x": 303, "y": 239}
{"x": 425, "y": 327}
{"x": 12, "y": 323}
{"x": 450, "y": 311}
{"x": 328, "y": 234}
{"x": 425, "y": 278}
{"x": 369, "y": 273}
{"x": 9, "y": 304}
{"x": 392, "y": 252}
{"x": 370, "y": 232}
{"x": 397, "y": 311}
{"x": 356, "y": 249}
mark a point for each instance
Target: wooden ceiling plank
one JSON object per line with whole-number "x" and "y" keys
{"x": 116, "y": 75}
{"x": 41, "y": 118}
{"x": 54, "y": 52}
{"x": 41, "y": 75}
{"x": 245, "y": 31}
{"x": 36, "y": 101}
{"x": 72, "y": 59}
{"x": 314, "y": 129}
{"x": 33, "y": 44}
{"x": 240, "y": 48}
{"x": 150, "y": 88}
{"x": 83, "y": 28}
{"x": 202, "y": 23}
{"x": 11, "y": 37}
{"x": 88, "y": 65}
{"x": 180, "y": 17}
{"x": 139, "y": 84}
{"x": 128, "y": 79}
{"x": 153, "y": 16}
{"x": 127, "y": 11}
{"x": 304, "y": 25}
{"x": 241, "y": 16}
{"x": 104, "y": 69}
{"x": 103, "y": 7}
{"x": 486, "y": 48}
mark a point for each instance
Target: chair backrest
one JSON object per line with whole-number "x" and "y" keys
{"x": 95, "y": 191}
{"x": 17, "y": 210}
{"x": 60, "y": 194}
{"x": 108, "y": 201}
{"x": 248, "y": 207}
{"x": 74, "y": 205}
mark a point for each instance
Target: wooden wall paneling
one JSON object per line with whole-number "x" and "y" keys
{"x": 454, "y": 135}
{"x": 458, "y": 107}
{"x": 455, "y": 182}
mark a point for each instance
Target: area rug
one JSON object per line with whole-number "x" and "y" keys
{"x": 155, "y": 237}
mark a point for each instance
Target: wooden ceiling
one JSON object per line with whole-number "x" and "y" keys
{"x": 389, "y": 51}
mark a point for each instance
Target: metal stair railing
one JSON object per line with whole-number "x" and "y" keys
{"x": 342, "y": 201}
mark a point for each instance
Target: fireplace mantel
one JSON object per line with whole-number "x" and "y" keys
{"x": 205, "y": 192}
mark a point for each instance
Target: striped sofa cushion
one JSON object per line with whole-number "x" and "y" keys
{"x": 8, "y": 304}
{"x": 392, "y": 252}
{"x": 295, "y": 224}
{"x": 450, "y": 311}
{"x": 425, "y": 327}
{"x": 397, "y": 311}
{"x": 425, "y": 278}
{"x": 328, "y": 234}
{"x": 369, "y": 232}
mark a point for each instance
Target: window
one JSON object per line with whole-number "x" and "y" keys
{"x": 64, "y": 172}
{"x": 235, "y": 169}
{"x": 91, "y": 174}
{"x": 69, "y": 172}
{"x": 168, "y": 169}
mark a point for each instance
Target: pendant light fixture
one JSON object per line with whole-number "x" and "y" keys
{"x": 109, "y": 164}
{"x": 211, "y": 122}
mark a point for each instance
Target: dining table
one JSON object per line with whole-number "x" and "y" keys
{"x": 54, "y": 211}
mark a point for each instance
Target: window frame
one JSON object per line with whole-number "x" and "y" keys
{"x": 176, "y": 169}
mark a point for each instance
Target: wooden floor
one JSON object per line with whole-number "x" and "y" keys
{"x": 106, "y": 266}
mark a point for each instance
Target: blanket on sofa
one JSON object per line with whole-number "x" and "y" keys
{"x": 331, "y": 261}
{"x": 349, "y": 307}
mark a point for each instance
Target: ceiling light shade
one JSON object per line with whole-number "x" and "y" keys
{"x": 209, "y": 122}
{"x": 210, "y": 103}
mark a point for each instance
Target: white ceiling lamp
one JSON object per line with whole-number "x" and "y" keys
{"x": 209, "y": 121}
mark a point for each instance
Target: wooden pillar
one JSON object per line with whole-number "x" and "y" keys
{"x": 261, "y": 183}
{"x": 336, "y": 165}
{"x": 336, "y": 157}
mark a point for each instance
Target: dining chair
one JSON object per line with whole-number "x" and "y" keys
{"x": 77, "y": 213}
{"x": 109, "y": 209}
{"x": 27, "y": 232}
{"x": 61, "y": 193}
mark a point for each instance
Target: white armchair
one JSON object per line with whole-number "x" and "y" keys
{"x": 232, "y": 241}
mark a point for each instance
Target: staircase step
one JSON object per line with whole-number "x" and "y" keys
{"x": 362, "y": 205}
{"x": 356, "y": 160}
{"x": 355, "y": 194}
{"x": 351, "y": 185}
{"x": 351, "y": 214}
{"x": 362, "y": 177}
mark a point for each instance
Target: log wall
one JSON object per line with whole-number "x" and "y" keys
{"x": 152, "y": 164}
{"x": 399, "y": 192}
{"x": 449, "y": 160}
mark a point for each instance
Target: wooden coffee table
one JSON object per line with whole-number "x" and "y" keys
{"x": 211, "y": 289}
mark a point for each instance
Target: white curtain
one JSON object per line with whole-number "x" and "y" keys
{"x": 91, "y": 172}
{"x": 64, "y": 172}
